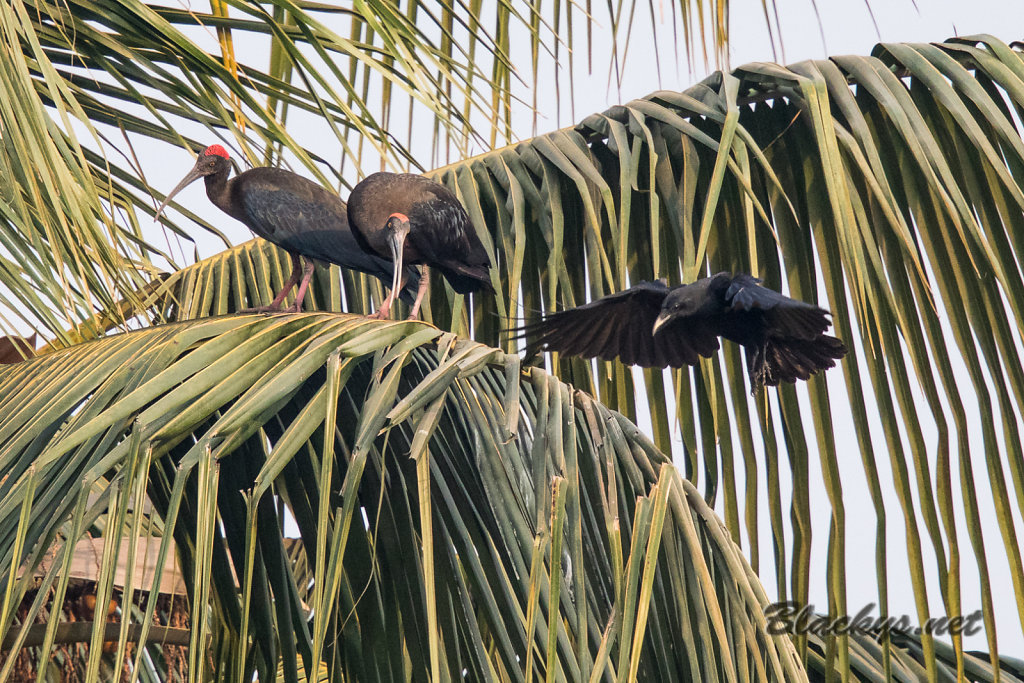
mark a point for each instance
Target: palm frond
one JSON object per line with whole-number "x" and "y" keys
{"x": 901, "y": 657}
{"x": 450, "y": 503}
{"x": 90, "y": 83}
{"x": 886, "y": 188}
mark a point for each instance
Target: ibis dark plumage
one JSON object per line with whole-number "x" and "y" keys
{"x": 410, "y": 219}
{"x": 295, "y": 213}
{"x": 653, "y": 325}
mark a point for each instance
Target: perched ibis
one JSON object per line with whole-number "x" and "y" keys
{"x": 653, "y": 325}
{"x": 16, "y": 349}
{"x": 411, "y": 219}
{"x": 294, "y": 213}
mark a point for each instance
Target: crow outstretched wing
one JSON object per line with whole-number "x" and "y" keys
{"x": 784, "y": 318}
{"x": 784, "y": 338}
{"x": 620, "y": 326}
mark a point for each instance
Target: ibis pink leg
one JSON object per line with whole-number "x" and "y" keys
{"x": 307, "y": 274}
{"x": 385, "y": 308}
{"x": 421, "y": 292}
{"x": 293, "y": 280}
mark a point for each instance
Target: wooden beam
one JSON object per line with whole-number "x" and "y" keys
{"x": 81, "y": 632}
{"x": 88, "y": 557}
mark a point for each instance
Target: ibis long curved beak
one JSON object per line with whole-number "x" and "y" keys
{"x": 659, "y": 321}
{"x": 195, "y": 174}
{"x": 396, "y": 241}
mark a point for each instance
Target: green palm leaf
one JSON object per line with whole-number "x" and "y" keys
{"x": 545, "y": 528}
{"x": 886, "y": 188}
{"x": 87, "y": 81}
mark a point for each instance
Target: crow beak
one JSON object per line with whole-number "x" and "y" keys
{"x": 195, "y": 174}
{"x": 661, "y": 320}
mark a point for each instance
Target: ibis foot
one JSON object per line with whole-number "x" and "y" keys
{"x": 263, "y": 309}
{"x": 268, "y": 201}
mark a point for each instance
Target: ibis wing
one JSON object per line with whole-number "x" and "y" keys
{"x": 784, "y": 318}
{"x": 445, "y": 237}
{"x": 616, "y": 326}
{"x": 306, "y": 219}
{"x": 278, "y": 204}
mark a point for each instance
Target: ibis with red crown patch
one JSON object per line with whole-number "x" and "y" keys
{"x": 296, "y": 214}
{"x": 409, "y": 219}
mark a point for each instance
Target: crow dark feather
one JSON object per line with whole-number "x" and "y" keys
{"x": 612, "y": 317}
{"x": 784, "y": 338}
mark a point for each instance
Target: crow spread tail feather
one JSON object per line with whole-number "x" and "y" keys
{"x": 787, "y": 360}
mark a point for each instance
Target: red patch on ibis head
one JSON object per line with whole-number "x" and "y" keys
{"x": 400, "y": 216}
{"x": 215, "y": 150}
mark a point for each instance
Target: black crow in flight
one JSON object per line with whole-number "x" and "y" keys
{"x": 654, "y": 325}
